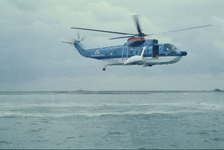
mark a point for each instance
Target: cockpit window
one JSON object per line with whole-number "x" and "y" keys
{"x": 174, "y": 47}
{"x": 169, "y": 48}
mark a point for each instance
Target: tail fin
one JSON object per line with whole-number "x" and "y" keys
{"x": 77, "y": 46}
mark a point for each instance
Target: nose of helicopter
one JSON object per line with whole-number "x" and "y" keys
{"x": 183, "y": 53}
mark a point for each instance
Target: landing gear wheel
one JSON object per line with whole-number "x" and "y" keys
{"x": 104, "y": 68}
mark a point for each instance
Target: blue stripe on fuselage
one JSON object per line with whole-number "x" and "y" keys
{"x": 121, "y": 52}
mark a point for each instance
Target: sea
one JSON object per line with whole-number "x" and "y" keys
{"x": 148, "y": 120}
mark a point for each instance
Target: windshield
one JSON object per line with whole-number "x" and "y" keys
{"x": 173, "y": 47}
{"x": 169, "y": 48}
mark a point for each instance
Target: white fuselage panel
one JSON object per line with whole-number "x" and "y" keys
{"x": 146, "y": 61}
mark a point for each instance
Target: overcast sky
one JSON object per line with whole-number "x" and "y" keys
{"x": 32, "y": 56}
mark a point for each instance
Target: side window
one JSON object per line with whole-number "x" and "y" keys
{"x": 115, "y": 52}
{"x": 148, "y": 51}
{"x": 106, "y": 53}
{"x": 131, "y": 52}
{"x": 166, "y": 48}
{"x": 136, "y": 52}
{"x": 111, "y": 53}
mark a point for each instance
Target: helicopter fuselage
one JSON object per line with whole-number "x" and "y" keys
{"x": 137, "y": 51}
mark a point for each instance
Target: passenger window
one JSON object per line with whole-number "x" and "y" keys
{"x": 136, "y": 52}
{"x": 110, "y": 53}
{"x": 131, "y": 52}
{"x": 115, "y": 52}
{"x": 106, "y": 53}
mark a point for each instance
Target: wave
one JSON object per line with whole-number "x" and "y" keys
{"x": 5, "y": 142}
{"x": 105, "y": 110}
{"x": 99, "y": 114}
{"x": 198, "y": 106}
{"x": 19, "y": 115}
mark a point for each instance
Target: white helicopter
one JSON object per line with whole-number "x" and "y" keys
{"x": 136, "y": 51}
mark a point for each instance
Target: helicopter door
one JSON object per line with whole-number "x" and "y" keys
{"x": 155, "y": 51}
{"x": 125, "y": 53}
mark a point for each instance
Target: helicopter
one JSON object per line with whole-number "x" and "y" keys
{"x": 136, "y": 51}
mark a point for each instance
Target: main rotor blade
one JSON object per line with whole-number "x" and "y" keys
{"x": 180, "y": 29}
{"x": 121, "y": 37}
{"x": 102, "y": 31}
{"x": 137, "y": 24}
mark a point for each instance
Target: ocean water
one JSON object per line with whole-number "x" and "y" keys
{"x": 163, "y": 120}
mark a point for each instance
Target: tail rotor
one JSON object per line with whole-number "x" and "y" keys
{"x": 77, "y": 40}
{"x": 80, "y": 40}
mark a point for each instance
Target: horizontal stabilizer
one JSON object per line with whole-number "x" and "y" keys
{"x": 69, "y": 42}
